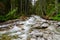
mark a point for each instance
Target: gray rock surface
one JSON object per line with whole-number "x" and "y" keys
{"x": 34, "y": 28}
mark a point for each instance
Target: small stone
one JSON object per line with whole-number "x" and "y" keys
{"x": 49, "y": 38}
{"x": 40, "y": 38}
{"x": 45, "y": 35}
{"x": 45, "y": 25}
{"x": 43, "y": 20}
{"x": 58, "y": 23}
{"x": 36, "y": 25}
{"x": 37, "y": 34}
{"x": 33, "y": 39}
{"x": 58, "y": 29}
{"x": 51, "y": 27}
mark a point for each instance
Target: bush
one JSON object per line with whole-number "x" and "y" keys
{"x": 10, "y": 15}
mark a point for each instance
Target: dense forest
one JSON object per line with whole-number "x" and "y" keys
{"x": 12, "y": 9}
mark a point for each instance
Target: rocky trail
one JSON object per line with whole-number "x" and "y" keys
{"x": 33, "y": 28}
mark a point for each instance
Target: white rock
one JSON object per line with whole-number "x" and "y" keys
{"x": 40, "y": 38}
{"x": 37, "y": 33}
{"x": 51, "y": 27}
{"x": 2, "y": 32}
{"x": 33, "y": 39}
{"x": 22, "y": 22}
{"x": 36, "y": 25}
{"x": 45, "y": 25}
{"x": 16, "y": 39}
{"x": 49, "y": 38}
{"x": 56, "y": 37}
{"x": 45, "y": 35}
{"x": 15, "y": 28}
{"x": 58, "y": 23}
{"x": 17, "y": 33}
{"x": 5, "y": 25}
{"x": 43, "y": 20}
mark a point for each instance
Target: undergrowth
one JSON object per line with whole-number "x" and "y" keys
{"x": 9, "y": 16}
